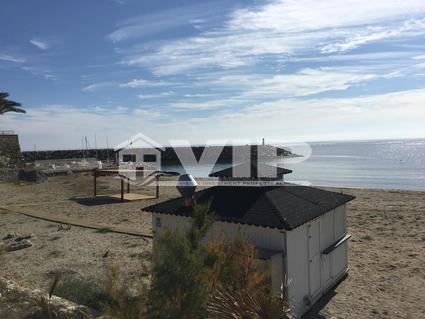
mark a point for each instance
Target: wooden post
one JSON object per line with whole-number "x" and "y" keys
{"x": 128, "y": 185}
{"x": 157, "y": 186}
{"x": 94, "y": 183}
{"x": 122, "y": 188}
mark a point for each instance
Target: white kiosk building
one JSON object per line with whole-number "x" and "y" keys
{"x": 300, "y": 230}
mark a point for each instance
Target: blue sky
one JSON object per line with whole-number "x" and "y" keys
{"x": 288, "y": 70}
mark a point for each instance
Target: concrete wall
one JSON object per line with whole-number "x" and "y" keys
{"x": 10, "y": 151}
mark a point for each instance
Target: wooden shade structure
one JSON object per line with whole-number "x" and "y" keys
{"x": 124, "y": 179}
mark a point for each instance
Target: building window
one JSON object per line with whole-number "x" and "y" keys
{"x": 158, "y": 222}
{"x": 149, "y": 158}
{"x": 129, "y": 158}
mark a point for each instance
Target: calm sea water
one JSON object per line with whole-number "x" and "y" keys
{"x": 395, "y": 164}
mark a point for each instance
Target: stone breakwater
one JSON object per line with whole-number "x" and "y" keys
{"x": 168, "y": 154}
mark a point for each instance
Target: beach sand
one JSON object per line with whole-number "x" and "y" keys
{"x": 386, "y": 251}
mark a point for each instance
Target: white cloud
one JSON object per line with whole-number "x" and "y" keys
{"x": 156, "y": 95}
{"x": 373, "y": 34}
{"x": 213, "y": 49}
{"x": 153, "y": 23}
{"x": 140, "y": 83}
{"x": 392, "y": 115}
{"x": 95, "y": 86}
{"x": 120, "y": 2}
{"x": 302, "y": 83}
{"x": 49, "y": 76}
{"x": 10, "y": 58}
{"x": 42, "y": 45}
{"x": 198, "y": 95}
{"x": 249, "y": 89}
{"x": 71, "y": 123}
{"x": 376, "y": 57}
{"x": 287, "y": 16}
{"x": 208, "y": 104}
{"x": 135, "y": 83}
{"x": 40, "y": 71}
{"x": 282, "y": 29}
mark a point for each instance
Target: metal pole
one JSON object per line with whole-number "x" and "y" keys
{"x": 94, "y": 183}
{"x": 95, "y": 145}
{"x": 87, "y": 149}
{"x": 82, "y": 145}
{"x": 107, "y": 149}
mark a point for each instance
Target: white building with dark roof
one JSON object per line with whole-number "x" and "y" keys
{"x": 301, "y": 232}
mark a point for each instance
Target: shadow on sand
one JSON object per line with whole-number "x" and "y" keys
{"x": 98, "y": 200}
{"x": 317, "y": 312}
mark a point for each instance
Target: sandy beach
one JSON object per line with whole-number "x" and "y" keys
{"x": 386, "y": 254}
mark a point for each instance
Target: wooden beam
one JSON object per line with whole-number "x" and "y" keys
{"x": 157, "y": 186}
{"x": 122, "y": 189}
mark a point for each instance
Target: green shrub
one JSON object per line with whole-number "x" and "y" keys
{"x": 82, "y": 292}
{"x": 180, "y": 283}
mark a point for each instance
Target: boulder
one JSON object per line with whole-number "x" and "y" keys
{"x": 25, "y": 243}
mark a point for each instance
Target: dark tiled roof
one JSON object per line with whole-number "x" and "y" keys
{"x": 284, "y": 207}
{"x": 253, "y": 169}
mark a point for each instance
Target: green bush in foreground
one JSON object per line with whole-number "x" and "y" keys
{"x": 82, "y": 292}
{"x": 180, "y": 284}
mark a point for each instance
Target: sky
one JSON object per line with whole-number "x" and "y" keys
{"x": 202, "y": 71}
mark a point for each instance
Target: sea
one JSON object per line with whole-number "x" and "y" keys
{"x": 380, "y": 164}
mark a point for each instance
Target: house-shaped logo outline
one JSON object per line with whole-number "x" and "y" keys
{"x": 150, "y": 145}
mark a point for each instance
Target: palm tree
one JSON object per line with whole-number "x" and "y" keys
{"x": 9, "y": 106}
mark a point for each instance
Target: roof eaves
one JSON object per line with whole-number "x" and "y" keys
{"x": 230, "y": 221}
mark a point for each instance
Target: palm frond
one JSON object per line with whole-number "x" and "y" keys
{"x": 8, "y": 105}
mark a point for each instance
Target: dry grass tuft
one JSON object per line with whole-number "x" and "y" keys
{"x": 236, "y": 264}
{"x": 247, "y": 304}
{"x": 43, "y": 304}
{"x": 123, "y": 305}
{"x": 45, "y": 310}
